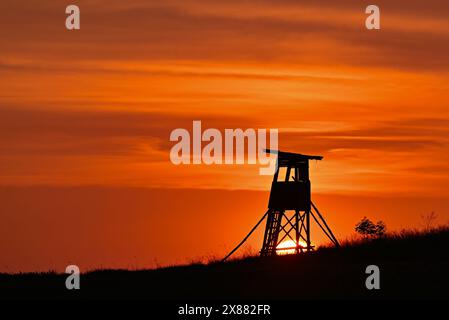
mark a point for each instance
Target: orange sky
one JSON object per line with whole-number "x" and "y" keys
{"x": 95, "y": 107}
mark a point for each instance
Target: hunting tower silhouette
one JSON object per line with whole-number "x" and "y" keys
{"x": 290, "y": 207}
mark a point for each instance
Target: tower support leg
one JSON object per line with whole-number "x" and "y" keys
{"x": 309, "y": 247}
{"x": 272, "y": 230}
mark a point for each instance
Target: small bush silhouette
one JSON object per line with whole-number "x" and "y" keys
{"x": 367, "y": 228}
{"x": 428, "y": 220}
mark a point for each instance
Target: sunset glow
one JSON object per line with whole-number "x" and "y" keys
{"x": 288, "y": 247}
{"x": 86, "y": 116}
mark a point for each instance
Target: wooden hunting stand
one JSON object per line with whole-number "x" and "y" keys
{"x": 290, "y": 207}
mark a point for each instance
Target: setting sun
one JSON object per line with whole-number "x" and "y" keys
{"x": 288, "y": 247}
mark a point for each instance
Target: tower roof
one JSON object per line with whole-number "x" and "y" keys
{"x": 293, "y": 157}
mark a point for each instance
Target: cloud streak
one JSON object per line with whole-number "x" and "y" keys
{"x": 412, "y": 38}
{"x": 97, "y": 106}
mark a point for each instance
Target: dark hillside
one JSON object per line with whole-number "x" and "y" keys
{"x": 412, "y": 265}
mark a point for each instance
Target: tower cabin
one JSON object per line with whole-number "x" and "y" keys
{"x": 290, "y": 189}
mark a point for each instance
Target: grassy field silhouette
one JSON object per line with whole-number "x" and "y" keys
{"x": 413, "y": 264}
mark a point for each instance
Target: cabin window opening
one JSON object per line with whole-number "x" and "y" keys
{"x": 282, "y": 173}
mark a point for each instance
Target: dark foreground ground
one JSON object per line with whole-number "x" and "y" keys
{"x": 412, "y": 265}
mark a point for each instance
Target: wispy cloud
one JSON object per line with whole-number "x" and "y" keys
{"x": 97, "y": 105}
